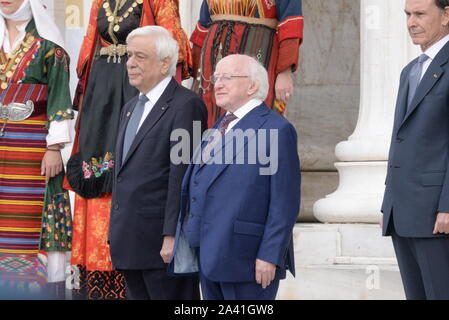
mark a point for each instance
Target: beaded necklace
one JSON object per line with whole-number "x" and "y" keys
{"x": 10, "y": 62}
{"x": 114, "y": 19}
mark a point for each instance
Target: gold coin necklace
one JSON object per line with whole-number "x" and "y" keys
{"x": 9, "y": 64}
{"x": 112, "y": 16}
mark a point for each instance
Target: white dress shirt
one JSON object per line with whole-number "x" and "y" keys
{"x": 242, "y": 111}
{"x": 153, "y": 96}
{"x": 432, "y": 53}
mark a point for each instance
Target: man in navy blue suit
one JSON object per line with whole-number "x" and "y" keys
{"x": 416, "y": 202}
{"x": 241, "y": 194}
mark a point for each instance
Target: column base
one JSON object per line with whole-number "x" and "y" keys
{"x": 342, "y": 262}
{"x": 363, "y": 149}
{"x": 358, "y": 198}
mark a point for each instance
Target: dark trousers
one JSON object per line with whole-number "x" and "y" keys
{"x": 157, "y": 285}
{"x": 237, "y": 290}
{"x": 424, "y": 266}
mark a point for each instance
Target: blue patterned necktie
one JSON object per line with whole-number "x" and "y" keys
{"x": 415, "y": 78}
{"x": 133, "y": 124}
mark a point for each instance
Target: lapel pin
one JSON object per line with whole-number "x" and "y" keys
{"x": 128, "y": 114}
{"x": 435, "y": 75}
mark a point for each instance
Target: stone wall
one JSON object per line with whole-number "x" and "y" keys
{"x": 325, "y": 106}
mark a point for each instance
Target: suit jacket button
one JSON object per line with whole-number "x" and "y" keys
{"x": 193, "y": 199}
{"x": 116, "y": 206}
{"x": 119, "y": 179}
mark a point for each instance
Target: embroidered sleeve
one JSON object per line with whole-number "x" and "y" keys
{"x": 202, "y": 27}
{"x": 56, "y": 66}
{"x": 290, "y": 33}
{"x": 288, "y": 55}
{"x": 166, "y": 14}
{"x": 89, "y": 40}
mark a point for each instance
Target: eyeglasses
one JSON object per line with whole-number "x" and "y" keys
{"x": 224, "y": 78}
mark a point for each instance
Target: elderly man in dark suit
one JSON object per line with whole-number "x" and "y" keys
{"x": 240, "y": 202}
{"x": 147, "y": 183}
{"x": 416, "y": 202}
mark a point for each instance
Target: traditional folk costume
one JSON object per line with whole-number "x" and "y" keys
{"x": 35, "y": 108}
{"x": 102, "y": 91}
{"x": 269, "y": 30}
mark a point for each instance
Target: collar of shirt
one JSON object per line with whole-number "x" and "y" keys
{"x": 436, "y": 47}
{"x": 9, "y": 47}
{"x": 243, "y": 111}
{"x": 153, "y": 96}
{"x": 432, "y": 53}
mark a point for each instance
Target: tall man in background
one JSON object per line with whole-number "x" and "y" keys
{"x": 416, "y": 202}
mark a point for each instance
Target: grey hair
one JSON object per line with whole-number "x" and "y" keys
{"x": 258, "y": 73}
{"x": 165, "y": 45}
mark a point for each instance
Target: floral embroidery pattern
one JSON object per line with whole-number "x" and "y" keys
{"x": 97, "y": 167}
{"x": 90, "y": 247}
{"x": 61, "y": 115}
{"x": 57, "y": 224}
{"x": 61, "y": 57}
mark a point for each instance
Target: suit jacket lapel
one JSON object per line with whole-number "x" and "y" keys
{"x": 197, "y": 155}
{"x": 253, "y": 120}
{"x": 121, "y": 134}
{"x": 430, "y": 78}
{"x": 401, "y": 104}
{"x": 161, "y": 106}
{"x": 196, "y": 158}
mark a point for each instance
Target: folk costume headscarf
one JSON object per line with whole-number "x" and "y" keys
{"x": 45, "y": 25}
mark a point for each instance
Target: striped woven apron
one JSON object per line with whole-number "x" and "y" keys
{"x": 22, "y": 189}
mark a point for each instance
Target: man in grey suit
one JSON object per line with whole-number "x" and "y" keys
{"x": 416, "y": 202}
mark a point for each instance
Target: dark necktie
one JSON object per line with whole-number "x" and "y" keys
{"x": 214, "y": 139}
{"x": 414, "y": 78}
{"x": 133, "y": 124}
{"x": 224, "y": 123}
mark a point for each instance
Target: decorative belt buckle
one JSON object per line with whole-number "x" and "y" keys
{"x": 16, "y": 111}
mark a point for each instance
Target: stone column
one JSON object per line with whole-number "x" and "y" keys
{"x": 385, "y": 50}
